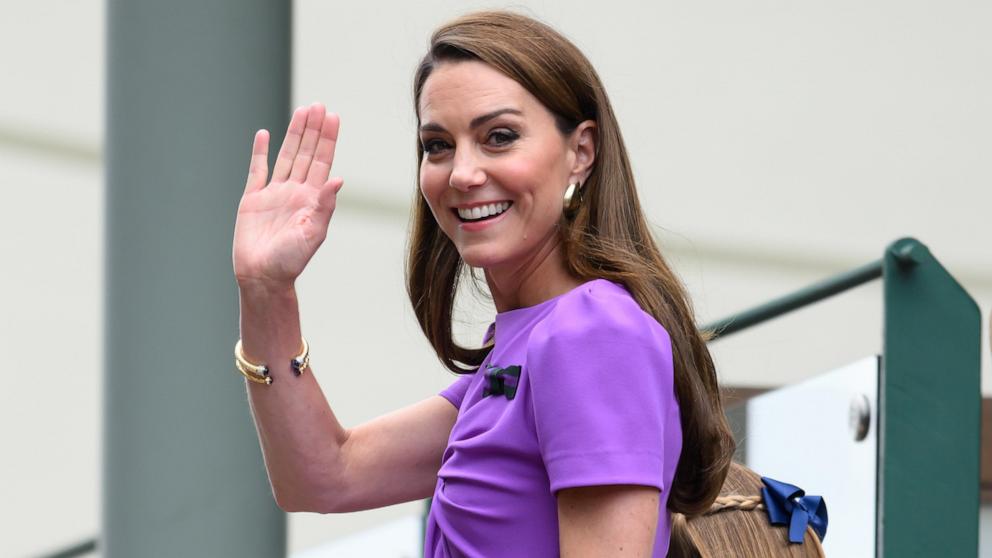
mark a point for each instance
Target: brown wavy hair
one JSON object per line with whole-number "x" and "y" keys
{"x": 607, "y": 238}
{"x": 737, "y": 526}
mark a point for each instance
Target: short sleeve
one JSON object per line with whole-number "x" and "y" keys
{"x": 455, "y": 393}
{"x": 601, "y": 378}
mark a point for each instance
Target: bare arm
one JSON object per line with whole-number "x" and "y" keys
{"x": 313, "y": 462}
{"x": 614, "y": 520}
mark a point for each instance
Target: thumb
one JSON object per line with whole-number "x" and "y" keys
{"x": 335, "y": 183}
{"x": 329, "y": 192}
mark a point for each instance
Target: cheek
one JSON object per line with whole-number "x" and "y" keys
{"x": 543, "y": 167}
{"x": 539, "y": 181}
{"x": 433, "y": 183}
{"x": 527, "y": 176}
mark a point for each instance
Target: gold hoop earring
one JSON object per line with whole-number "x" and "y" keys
{"x": 573, "y": 198}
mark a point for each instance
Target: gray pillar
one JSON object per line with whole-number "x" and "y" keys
{"x": 188, "y": 83}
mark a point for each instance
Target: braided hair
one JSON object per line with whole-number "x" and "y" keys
{"x": 736, "y": 525}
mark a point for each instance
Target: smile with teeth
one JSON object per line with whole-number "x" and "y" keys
{"x": 481, "y": 212}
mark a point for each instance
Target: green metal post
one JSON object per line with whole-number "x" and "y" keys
{"x": 188, "y": 83}
{"x": 930, "y": 408}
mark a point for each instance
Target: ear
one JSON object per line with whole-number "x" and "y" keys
{"x": 582, "y": 141}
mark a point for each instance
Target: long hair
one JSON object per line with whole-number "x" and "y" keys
{"x": 607, "y": 238}
{"x": 737, "y": 526}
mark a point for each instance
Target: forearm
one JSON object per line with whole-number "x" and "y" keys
{"x": 300, "y": 437}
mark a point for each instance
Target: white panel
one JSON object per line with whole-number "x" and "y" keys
{"x": 801, "y": 435}
{"x": 396, "y": 539}
{"x": 985, "y": 532}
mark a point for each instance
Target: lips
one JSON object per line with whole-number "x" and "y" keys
{"x": 481, "y": 212}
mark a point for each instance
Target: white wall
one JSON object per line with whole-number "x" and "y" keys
{"x": 775, "y": 144}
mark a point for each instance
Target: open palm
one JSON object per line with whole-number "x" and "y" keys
{"x": 281, "y": 224}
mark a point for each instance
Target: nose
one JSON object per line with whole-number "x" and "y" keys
{"x": 466, "y": 171}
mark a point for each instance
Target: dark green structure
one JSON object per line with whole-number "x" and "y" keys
{"x": 929, "y": 410}
{"x": 929, "y": 404}
{"x": 188, "y": 84}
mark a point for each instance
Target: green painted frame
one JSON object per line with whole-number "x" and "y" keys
{"x": 929, "y": 409}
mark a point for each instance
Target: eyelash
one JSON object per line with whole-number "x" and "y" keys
{"x": 508, "y": 136}
{"x": 502, "y": 137}
{"x": 429, "y": 145}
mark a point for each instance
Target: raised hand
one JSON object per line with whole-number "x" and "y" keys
{"x": 281, "y": 224}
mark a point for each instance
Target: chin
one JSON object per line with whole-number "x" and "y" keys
{"x": 480, "y": 257}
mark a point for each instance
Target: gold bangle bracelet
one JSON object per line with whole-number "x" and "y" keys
{"x": 259, "y": 373}
{"x": 251, "y": 376}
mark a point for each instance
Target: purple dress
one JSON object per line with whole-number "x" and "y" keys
{"x": 583, "y": 396}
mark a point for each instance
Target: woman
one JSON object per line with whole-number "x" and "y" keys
{"x": 591, "y": 408}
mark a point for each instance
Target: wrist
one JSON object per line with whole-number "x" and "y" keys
{"x": 270, "y": 323}
{"x": 269, "y": 308}
{"x": 262, "y": 291}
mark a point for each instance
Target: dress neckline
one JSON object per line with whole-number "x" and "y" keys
{"x": 511, "y": 320}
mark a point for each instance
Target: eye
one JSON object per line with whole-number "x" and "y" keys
{"x": 501, "y": 137}
{"x": 434, "y": 146}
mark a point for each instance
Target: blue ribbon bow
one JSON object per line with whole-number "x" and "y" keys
{"x": 789, "y": 505}
{"x": 501, "y": 381}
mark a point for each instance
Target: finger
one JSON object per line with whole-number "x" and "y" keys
{"x": 329, "y": 192}
{"x": 335, "y": 184}
{"x": 290, "y": 145}
{"x": 320, "y": 168}
{"x": 301, "y": 165}
{"x": 258, "y": 169}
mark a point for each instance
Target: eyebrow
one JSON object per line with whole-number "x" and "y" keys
{"x": 475, "y": 123}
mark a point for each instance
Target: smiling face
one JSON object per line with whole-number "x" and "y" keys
{"x": 495, "y": 165}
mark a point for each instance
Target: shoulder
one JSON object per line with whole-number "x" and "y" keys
{"x": 601, "y": 387}
{"x": 598, "y": 312}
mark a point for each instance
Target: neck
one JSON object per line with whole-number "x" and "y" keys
{"x": 540, "y": 277}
